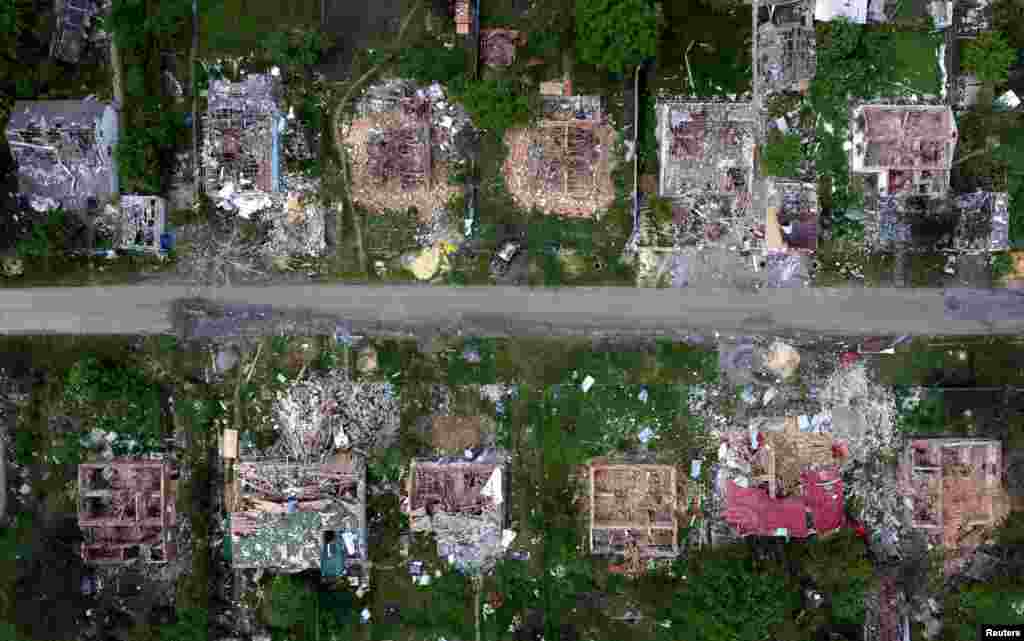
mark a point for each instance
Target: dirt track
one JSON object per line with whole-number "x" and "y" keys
{"x": 509, "y": 311}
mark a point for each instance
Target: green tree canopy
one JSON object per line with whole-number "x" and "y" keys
{"x": 727, "y": 599}
{"x": 989, "y": 57}
{"x": 1008, "y": 18}
{"x": 495, "y": 104}
{"x": 290, "y": 602}
{"x": 615, "y": 34}
{"x": 432, "y": 62}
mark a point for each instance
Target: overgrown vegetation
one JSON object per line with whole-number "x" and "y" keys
{"x": 431, "y": 61}
{"x": 117, "y": 398}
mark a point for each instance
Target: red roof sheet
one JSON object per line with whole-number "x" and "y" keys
{"x": 752, "y": 511}
{"x": 823, "y": 496}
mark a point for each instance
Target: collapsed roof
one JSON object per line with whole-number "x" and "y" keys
{"x": 633, "y": 509}
{"x": 909, "y": 148}
{"x": 64, "y": 151}
{"x": 984, "y": 220}
{"x": 955, "y": 490}
{"x": 463, "y": 504}
{"x": 706, "y": 148}
{"x": 498, "y": 46}
{"x": 283, "y": 514}
{"x": 126, "y": 508}
{"x": 73, "y": 18}
{"x": 241, "y": 144}
{"x": 785, "y": 48}
{"x": 141, "y": 221}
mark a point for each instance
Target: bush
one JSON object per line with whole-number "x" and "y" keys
{"x": 781, "y": 155}
{"x": 615, "y": 34}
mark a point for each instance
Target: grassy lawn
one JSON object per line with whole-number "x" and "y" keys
{"x": 236, "y": 27}
{"x": 916, "y": 61}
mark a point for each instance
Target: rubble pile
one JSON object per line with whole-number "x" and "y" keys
{"x": 320, "y": 415}
{"x": 851, "y": 388}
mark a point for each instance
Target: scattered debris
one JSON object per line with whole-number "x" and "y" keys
{"x": 643, "y": 499}
{"x": 783, "y": 360}
{"x": 64, "y": 152}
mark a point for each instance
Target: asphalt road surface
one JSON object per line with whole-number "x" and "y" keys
{"x": 508, "y": 311}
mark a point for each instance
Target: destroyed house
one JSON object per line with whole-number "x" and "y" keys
{"x": 706, "y": 151}
{"x": 68, "y": 38}
{"x": 462, "y": 503}
{"x": 463, "y": 10}
{"x": 291, "y": 517}
{"x": 498, "y": 46}
{"x": 955, "y": 490}
{"x": 795, "y": 487}
{"x": 983, "y": 222}
{"x": 633, "y": 507}
{"x": 792, "y": 225}
{"x": 785, "y": 48}
{"x": 971, "y": 18}
{"x": 126, "y": 511}
{"x": 909, "y": 149}
{"x": 563, "y": 164}
{"x": 141, "y": 222}
{"x": 64, "y": 150}
{"x": 402, "y": 153}
{"x": 241, "y": 135}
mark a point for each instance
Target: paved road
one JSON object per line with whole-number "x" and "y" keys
{"x": 500, "y": 311}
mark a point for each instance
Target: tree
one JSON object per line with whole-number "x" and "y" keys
{"x": 615, "y": 34}
{"x": 432, "y": 62}
{"x": 1008, "y": 18}
{"x": 297, "y": 47}
{"x": 289, "y": 602}
{"x": 727, "y": 599}
{"x": 495, "y": 104}
{"x": 989, "y": 57}
{"x": 781, "y": 155}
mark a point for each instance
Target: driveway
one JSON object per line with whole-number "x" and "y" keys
{"x": 508, "y": 311}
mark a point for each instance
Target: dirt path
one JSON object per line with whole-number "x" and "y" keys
{"x": 510, "y": 311}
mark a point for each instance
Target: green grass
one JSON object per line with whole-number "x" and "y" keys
{"x": 916, "y": 64}
{"x": 236, "y": 27}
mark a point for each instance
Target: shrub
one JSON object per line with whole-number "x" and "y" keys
{"x": 781, "y": 155}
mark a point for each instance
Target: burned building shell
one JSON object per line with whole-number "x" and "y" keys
{"x": 64, "y": 151}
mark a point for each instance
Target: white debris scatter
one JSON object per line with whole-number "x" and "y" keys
{"x": 275, "y": 71}
{"x": 365, "y": 615}
{"x": 588, "y": 382}
{"x": 43, "y": 204}
{"x": 507, "y": 537}
{"x": 316, "y": 416}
